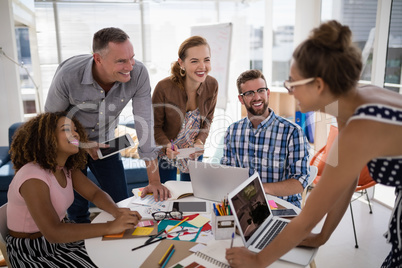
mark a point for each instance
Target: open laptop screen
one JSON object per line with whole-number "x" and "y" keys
{"x": 251, "y": 207}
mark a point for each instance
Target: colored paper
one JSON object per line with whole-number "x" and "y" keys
{"x": 143, "y": 231}
{"x": 272, "y": 204}
{"x": 145, "y": 223}
{"x": 199, "y": 221}
{"x": 115, "y": 235}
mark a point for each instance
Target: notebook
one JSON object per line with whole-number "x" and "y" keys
{"x": 213, "y": 255}
{"x": 256, "y": 224}
{"x": 214, "y": 181}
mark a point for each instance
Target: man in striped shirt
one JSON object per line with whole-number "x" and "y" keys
{"x": 266, "y": 143}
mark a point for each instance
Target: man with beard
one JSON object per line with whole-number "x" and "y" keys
{"x": 266, "y": 143}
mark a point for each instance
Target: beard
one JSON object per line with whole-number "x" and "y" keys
{"x": 252, "y": 111}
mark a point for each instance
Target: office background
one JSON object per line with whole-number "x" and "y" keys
{"x": 37, "y": 35}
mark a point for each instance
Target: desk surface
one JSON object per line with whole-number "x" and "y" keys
{"x": 117, "y": 253}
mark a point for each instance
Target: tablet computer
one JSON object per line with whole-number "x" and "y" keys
{"x": 116, "y": 145}
{"x": 191, "y": 206}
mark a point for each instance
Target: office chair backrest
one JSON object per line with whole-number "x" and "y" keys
{"x": 4, "y": 232}
{"x": 319, "y": 159}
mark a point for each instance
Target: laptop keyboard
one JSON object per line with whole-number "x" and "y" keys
{"x": 269, "y": 236}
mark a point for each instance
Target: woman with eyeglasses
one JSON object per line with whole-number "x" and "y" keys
{"x": 324, "y": 77}
{"x": 184, "y": 105}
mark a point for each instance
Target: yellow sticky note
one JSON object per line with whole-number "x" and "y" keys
{"x": 143, "y": 231}
{"x": 199, "y": 221}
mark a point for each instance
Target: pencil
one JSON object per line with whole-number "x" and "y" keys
{"x": 167, "y": 253}
{"x": 168, "y": 258}
{"x": 177, "y": 225}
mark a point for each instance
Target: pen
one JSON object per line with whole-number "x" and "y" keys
{"x": 168, "y": 258}
{"x": 215, "y": 210}
{"x": 165, "y": 256}
{"x": 172, "y": 145}
{"x": 231, "y": 243}
{"x": 144, "y": 245}
{"x": 154, "y": 236}
{"x": 177, "y": 225}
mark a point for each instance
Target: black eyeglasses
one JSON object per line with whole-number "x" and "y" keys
{"x": 250, "y": 93}
{"x": 160, "y": 215}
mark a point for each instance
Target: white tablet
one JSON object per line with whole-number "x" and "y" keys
{"x": 116, "y": 145}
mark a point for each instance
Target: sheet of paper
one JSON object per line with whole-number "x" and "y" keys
{"x": 143, "y": 230}
{"x": 199, "y": 221}
{"x": 185, "y": 152}
{"x": 197, "y": 248}
{"x": 115, "y": 235}
{"x": 149, "y": 200}
{"x": 272, "y": 204}
{"x": 205, "y": 236}
{"x": 145, "y": 223}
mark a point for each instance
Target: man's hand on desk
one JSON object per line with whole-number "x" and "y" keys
{"x": 160, "y": 192}
{"x": 124, "y": 219}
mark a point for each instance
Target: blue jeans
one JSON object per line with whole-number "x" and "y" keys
{"x": 109, "y": 172}
{"x": 168, "y": 172}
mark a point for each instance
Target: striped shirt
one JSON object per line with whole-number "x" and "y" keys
{"x": 278, "y": 150}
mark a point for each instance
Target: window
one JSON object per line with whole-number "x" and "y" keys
{"x": 393, "y": 69}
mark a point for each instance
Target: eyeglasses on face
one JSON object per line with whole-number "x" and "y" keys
{"x": 250, "y": 93}
{"x": 160, "y": 215}
{"x": 290, "y": 85}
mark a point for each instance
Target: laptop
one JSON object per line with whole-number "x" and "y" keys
{"x": 213, "y": 181}
{"x": 256, "y": 224}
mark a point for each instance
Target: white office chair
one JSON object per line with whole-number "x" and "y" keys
{"x": 4, "y": 232}
{"x": 313, "y": 174}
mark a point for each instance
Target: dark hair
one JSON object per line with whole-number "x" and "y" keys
{"x": 104, "y": 36}
{"x": 330, "y": 54}
{"x": 193, "y": 41}
{"x": 35, "y": 141}
{"x": 247, "y": 76}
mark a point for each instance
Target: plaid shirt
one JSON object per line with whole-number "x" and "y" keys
{"x": 278, "y": 150}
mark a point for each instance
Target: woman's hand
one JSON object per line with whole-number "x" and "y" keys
{"x": 200, "y": 145}
{"x": 125, "y": 219}
{"x": 171, "y": 154}
{"x": 242, "y": 257}
{"x": 92, "y": 147}
{"x": 312, "y": 241}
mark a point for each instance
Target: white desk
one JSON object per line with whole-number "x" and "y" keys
{"x": 117, "y": 253}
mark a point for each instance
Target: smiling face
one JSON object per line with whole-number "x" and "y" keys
{"x": 197, "y": 63}
{"x": 67, "y": 137}
{"x": 256, "y": 105}
{"x": 114, "y": 63}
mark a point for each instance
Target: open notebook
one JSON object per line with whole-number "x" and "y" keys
{"x": 213, "y": 255}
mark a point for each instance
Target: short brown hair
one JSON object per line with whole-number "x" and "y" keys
{"x": 330, "y": 54}
{"x": 35, "y": 141}
{"x": 102, "y": 38}
{"x": 193, "y": 41}
{"x": 247, "y": 76}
